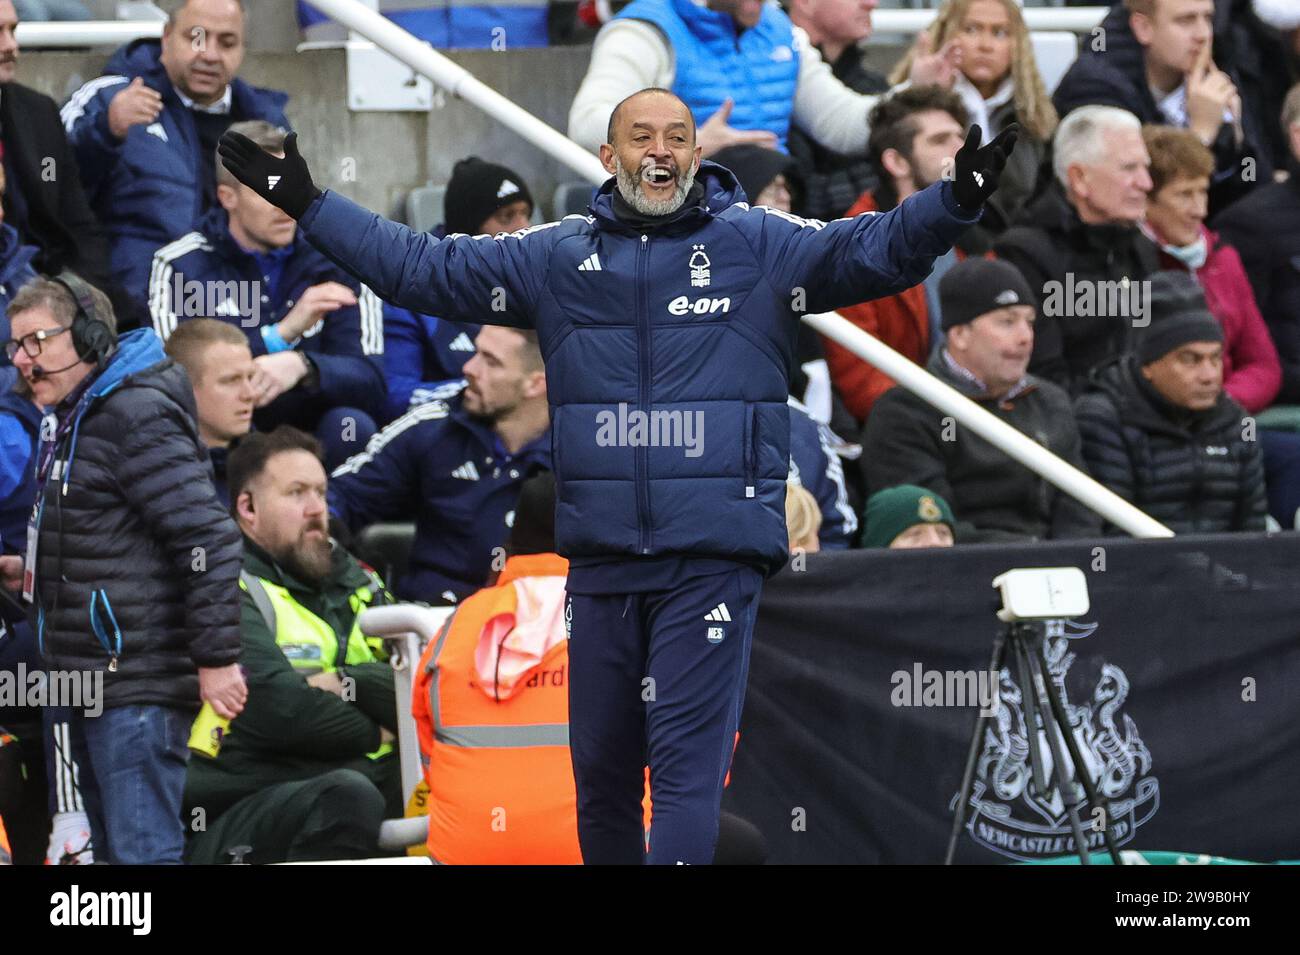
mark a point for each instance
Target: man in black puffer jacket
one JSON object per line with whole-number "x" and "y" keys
{"x": 1159, "y": 430}
{"x": 1079, "y": 247}
{"x": 136, "y": 562}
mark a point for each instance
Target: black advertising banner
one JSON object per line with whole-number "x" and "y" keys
{"x": 1182, "y": 687}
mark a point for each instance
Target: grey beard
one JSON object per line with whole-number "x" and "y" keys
{"x": 629, "y": 186}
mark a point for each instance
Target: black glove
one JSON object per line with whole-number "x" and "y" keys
{"x": 978, "y": 170}
{"x": 285, "y": 183}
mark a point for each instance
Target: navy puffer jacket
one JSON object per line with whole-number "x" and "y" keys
{"x": 667, "y": 347}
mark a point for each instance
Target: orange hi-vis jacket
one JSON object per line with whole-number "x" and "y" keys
{"x": 500, "y": 777}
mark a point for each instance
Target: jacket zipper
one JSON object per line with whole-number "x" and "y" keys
{"x": 344, "y": 637}
{"x": 117, "y": 633}
{"x": 750, "y": 446}
{"x": 114, "y": 647}
{"x": 645, "y": 539}
{"x": 1198, "y": 484}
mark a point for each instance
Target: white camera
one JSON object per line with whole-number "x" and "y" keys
{"x": 1042, "y": 593}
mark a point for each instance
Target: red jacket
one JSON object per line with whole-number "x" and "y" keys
{"x": 1252, "y": 373}
{"x": 901, "y": 321}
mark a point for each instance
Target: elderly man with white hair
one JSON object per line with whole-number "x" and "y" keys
{"x": 1079, "y": 246}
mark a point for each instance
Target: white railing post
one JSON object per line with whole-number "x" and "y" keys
{"x": 33, "y": 36}
{"x": 1067, "y": 19}
{"x": 407, "y": 628}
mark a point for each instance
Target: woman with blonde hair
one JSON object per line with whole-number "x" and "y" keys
{"x": 999, "y": 82}
{"x": 803, "y": 519}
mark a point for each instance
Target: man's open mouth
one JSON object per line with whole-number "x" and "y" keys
{"x": 658, "y": 175}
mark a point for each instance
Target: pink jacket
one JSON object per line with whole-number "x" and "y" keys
{"x": 1252, "y": 373}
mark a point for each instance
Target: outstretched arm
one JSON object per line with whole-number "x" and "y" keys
{"x": 477, "y": 280}
{"x": 848, "y": 261}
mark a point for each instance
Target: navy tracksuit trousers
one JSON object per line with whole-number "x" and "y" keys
{"x": 657, "y": 679}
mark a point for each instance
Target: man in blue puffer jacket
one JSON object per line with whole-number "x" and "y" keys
{"x": 132, "y": 564}
{"x": 145, "y": 132}
{"x": 667, "y": 322}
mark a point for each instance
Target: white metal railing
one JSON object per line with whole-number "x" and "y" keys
{"x": 407, "y": 628}
{"x": 116, "y": 32}
{"x": 34, "y": 36}
{"x": 1067, "y": 19}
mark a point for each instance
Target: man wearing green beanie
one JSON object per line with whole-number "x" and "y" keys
{"x": 907, "y": 516}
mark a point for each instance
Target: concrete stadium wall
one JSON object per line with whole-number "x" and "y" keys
{"x": 376, "y": 158}
{"x": 272, "y": 24}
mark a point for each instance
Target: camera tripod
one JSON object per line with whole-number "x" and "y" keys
{"x": 1045, "y": 712}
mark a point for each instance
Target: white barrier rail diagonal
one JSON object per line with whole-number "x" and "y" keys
{"x": 989, "y": 427}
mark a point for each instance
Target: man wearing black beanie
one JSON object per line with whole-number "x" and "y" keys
{"x": 484, "y": 199}
{"x": 1159, "y": 430}
{"x": 987, "y": 311}
{"x": 423, "y": 352}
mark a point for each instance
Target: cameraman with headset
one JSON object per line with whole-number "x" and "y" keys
{"x": 131, "y": 564}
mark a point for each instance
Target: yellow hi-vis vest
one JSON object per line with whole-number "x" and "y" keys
{"x": 308, "y": 642}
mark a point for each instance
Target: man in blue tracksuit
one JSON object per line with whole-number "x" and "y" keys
{"x": 316, "y": 333}
{"x": 457, "y": 463}
{"x": 422, "y": 353}
{"x": 815, "y": 464}
{"x": 667, "y": 320}
{"x": 145, "y": 131}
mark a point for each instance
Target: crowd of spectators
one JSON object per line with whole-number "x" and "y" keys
{"x": 1130, "y": 300}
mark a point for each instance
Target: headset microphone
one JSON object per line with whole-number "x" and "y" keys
{"x": 39, "y": 373}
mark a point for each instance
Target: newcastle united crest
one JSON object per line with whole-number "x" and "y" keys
{"x": 1008, "y": 816}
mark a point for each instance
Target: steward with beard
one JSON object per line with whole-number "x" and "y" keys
{"x": 308, "y": 770}
{"x": 674, "y": 303}
{"x": 457, "y": 464}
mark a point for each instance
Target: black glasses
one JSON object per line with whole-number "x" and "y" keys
{"x": 32, "y": 343}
